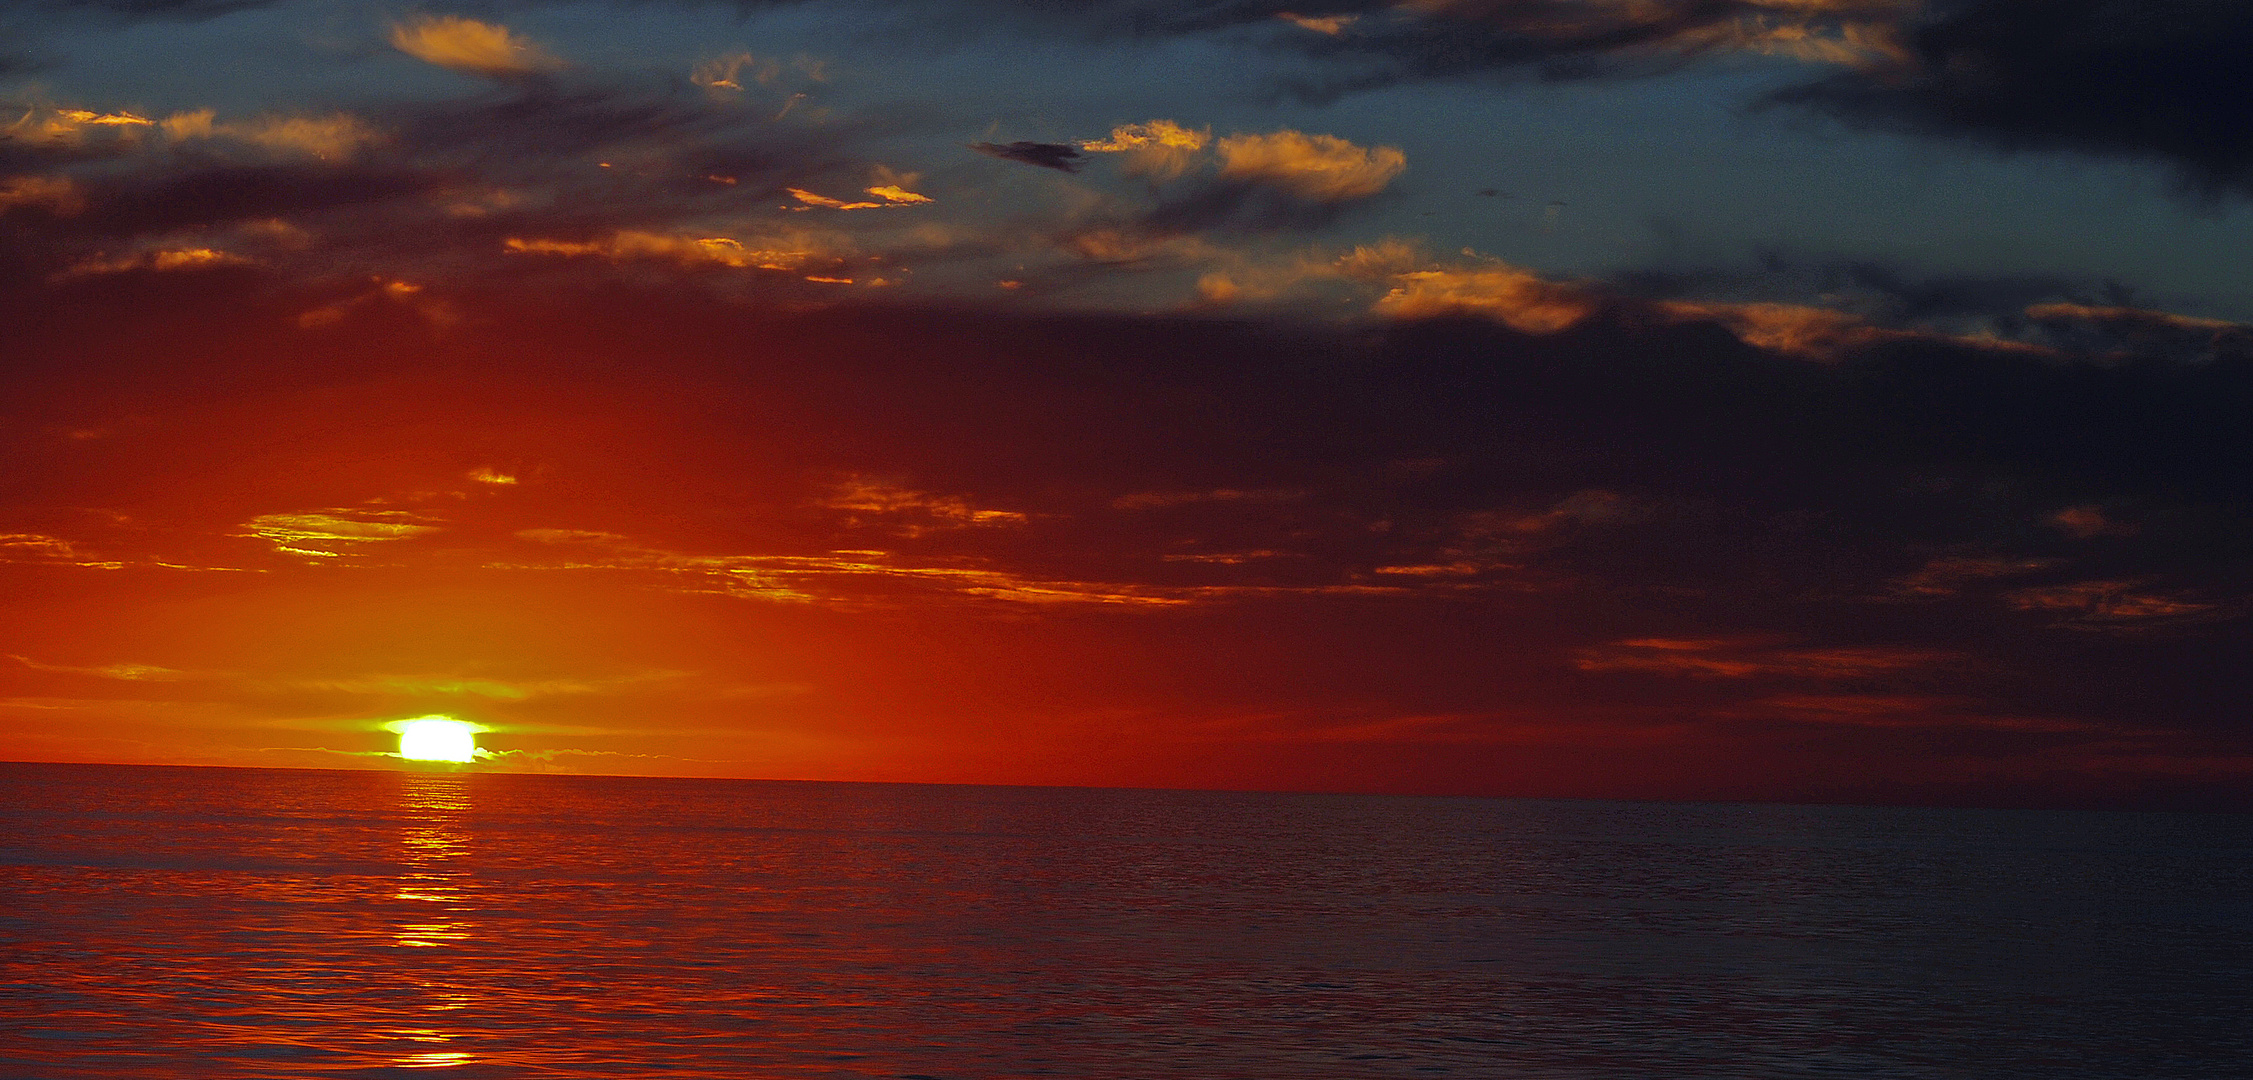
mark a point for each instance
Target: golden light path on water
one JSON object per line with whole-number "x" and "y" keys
{"x": 435, "y": 881}
{"x": 436, "y": 738}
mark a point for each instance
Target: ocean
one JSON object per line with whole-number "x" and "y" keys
{"x": 168, "y": 922}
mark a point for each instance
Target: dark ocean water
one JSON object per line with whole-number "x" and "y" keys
{"x": 248, "y": 923}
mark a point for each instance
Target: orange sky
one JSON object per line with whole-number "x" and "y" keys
{"x": 641, "y": 532}
{"x": 1315, "y": 405}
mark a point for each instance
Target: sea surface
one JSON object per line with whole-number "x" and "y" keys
{"x": 163, "y": 922}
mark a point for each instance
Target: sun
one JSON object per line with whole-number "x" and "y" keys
{"x": 436, "y": 738}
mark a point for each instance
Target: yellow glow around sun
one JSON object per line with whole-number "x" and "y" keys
{"x": 436, "y": 738}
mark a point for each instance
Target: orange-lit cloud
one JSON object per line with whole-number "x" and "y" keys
{"x": 874, "y": 578}
{"x": 1529, "y": 303}
{"x": 1332, "y": 25}
{"x": 1851, "y": 32}
{"x": 1900, "y": 711}
{"x": 1793, "y": 329}
{"x": 1123, "y": 246}
{"x": 66, "y": 126}
{"x": 811, "y": 199}
{"x": 338, "y": 135}
{"x": 2119, "y": 332}
{"x": 328, "y": 534}
{"x": 451, "y": 41}
{"x": 1847, "y": 32}
{"x": 125, "y": 672}
{"x": 1594, "y": 506}
{"x": 893, "y": 193}
{"x": 911, "y": 512}
{"x": 1158, "y": 148}
{"x": 55, "y": 194}
{"x": 728, "y": 73}
{"x": 1323, "y": 168}
{"x": 2117, "y": 605}
{"x": 436, "y": 312}
{"x": 686, "y": 250}
{"x": 828, "y": 577}
{"x": 1499, "y": 545}
{"x": 1736, "y": 658}
{"x": 2087, "y": 522}
{"x": 159, "y": 259}
{"x": 1949, "y": 575}
{"x": 1158, "y": 500}
{"x": 1247, "y": 279}
{"x": 2086, "y": 313}
{"x": 1519, "y": 299}
{"x": 39, "y": 549}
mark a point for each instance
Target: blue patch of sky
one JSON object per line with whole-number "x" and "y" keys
{"x": 1592, "y": 177}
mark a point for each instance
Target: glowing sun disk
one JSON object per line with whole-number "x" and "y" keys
{"x": 436, "y": 738}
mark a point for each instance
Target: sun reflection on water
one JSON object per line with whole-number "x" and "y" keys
{"x": 435, "y": 880}
{"x": 431, "y": 850}
{"x": 433, "y": 1060}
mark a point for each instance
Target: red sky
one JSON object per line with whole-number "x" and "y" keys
{"x": 764, "y": 430}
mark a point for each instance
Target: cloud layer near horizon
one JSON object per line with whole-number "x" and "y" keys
{"x": 1629, "y": 556}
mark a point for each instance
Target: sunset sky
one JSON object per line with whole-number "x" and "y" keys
{"x": 1826, "y": 400}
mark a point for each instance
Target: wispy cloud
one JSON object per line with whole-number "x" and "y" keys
{"x": 1159, "y": 500}
{"x": 2087, "y": 522}
{"x": 1323, "y": 168}
{"x": 1062, "y": 157}
{"x": 1332, "y": 25}
{"x": 862, "y": 578}
{"x": 39, "y": 549}
{"x": 2126, "y": 605}
{"x": 729, "y": 73}
{"x": 481, "y": 48}
{"x": 492, "y": 688}
{"x": 336, "y": 533}
{"x": 1916, "y": 712}
{"x": 55, "y": 194}
{"x": 909, "y": 512}
{"x": 631, "y": 244}
{"x": 335, "y": 136}
{"x": 123, "y": 672}
{"x": 1516, "y": 298}
{"x": 1738, "y": 658}
{"x": 1158, "y": 148}
{"x": 1947, "y": 576}
{"x": 160, "y": 260}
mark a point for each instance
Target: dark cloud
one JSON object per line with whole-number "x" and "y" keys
{"x": 2149, "y": 78}
{"x": 2124, "y": 333}
{"x": 225, "y": 194}
{"x": 548, "y": 122}
{"x": 156, "y": 9}
{"x": 1887, "y": 293}
{"x": 2100, "y": 321}
{"x": 1436, "y": 514}
{"x": 413, "y": 187}
{"x": 1058, "y": 156}
{"x": 1366, "y": 44}
{"x": 2160, "y": 79}
{"x": 1238, "y": 206}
